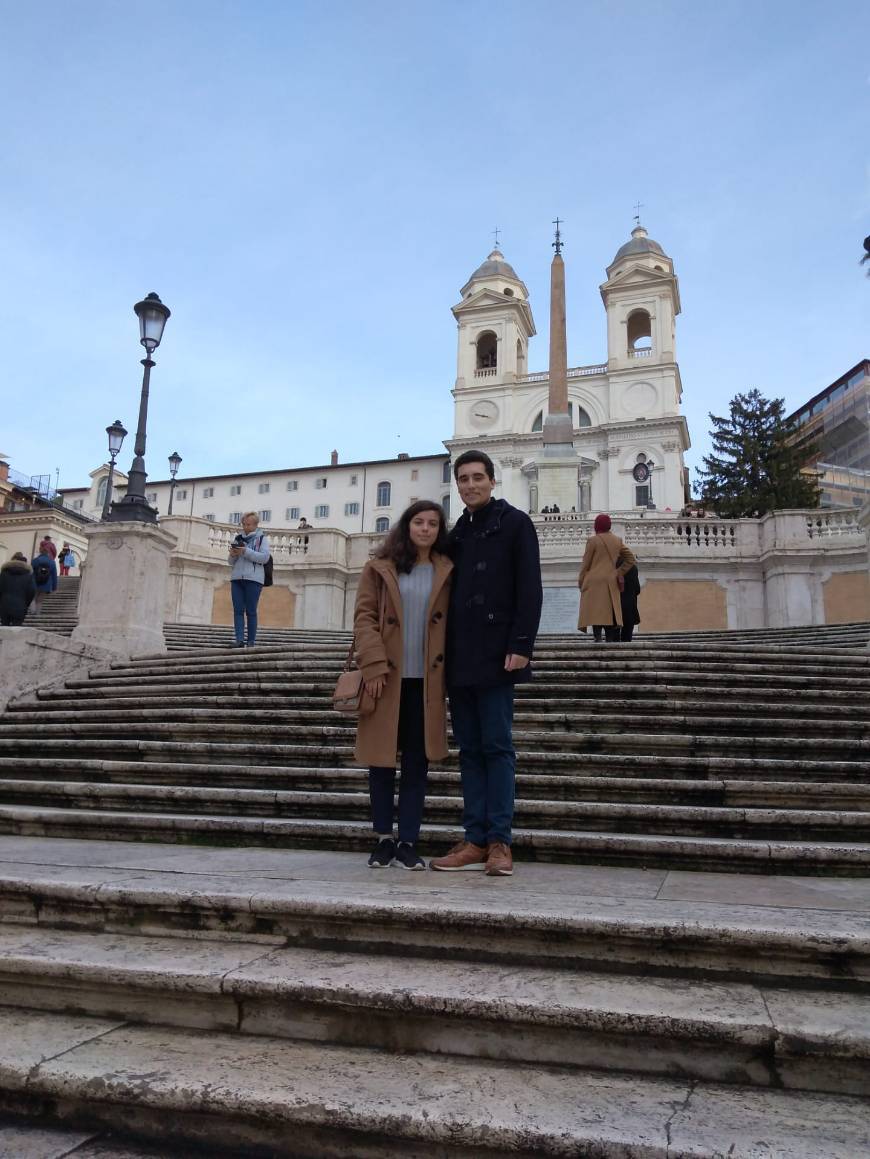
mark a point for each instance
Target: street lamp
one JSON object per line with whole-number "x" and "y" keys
{"x": 116, "y": 434}
{"x": 174, "y": 464}
{"x": 152, "y": 315}
{"x": 650, "y": 505}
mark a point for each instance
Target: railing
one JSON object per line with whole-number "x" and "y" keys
{"x": 640, "y": 353}
{"x": 283, "y": 544}
{"x": 486, "y": 372}
{"x": 573, "y": 372}
{"x": 38, "y": 484}
{"x": 824, "y": 525}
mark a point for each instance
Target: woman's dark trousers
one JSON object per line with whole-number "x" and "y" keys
{"x": 246, "y": 596}
{"x": 415, "y": 768}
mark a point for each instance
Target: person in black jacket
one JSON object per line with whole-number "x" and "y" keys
{"x": 17, "y": 590}
{"x": 628, "y": 600}
{"x": 495, "y": 608}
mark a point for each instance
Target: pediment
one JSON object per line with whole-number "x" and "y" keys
{"x": 638, "y": 275}
{"x": 487, "y": 301}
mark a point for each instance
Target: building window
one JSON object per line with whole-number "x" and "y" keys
{"x": 101, "y": 491}
{"x": 445, "y": 472}
{"x": 415, "y": 474}
{"x": 208, "y": 492}
{"x": 210, "y": 518}
{"x": 384, "y": 493}
{"x": 181, "y": 494}
{"x": 354, "y": 479}
{"x": 292, "y": 484}
{"x": 445, "y": 505}
{"x": 292, "y": 514}
{"x": 382, "y": 524}
{"x": 641, "y": 496}
{"x": 235, "y": 517}
{"x": 639, "y": 330}
{"x": 351, "y": 508}
{"x": 320, "y": 483}
{"x": 236, "y": 489}
{"x": 321, "y": 511}
{"x": 265, "y": 516}
{"x": 77, "y": 504}
{"x": 264, "y": 488}
{"x": 151, "y": 496}
{"x": 487, "y": 351}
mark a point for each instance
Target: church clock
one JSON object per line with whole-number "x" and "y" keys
{"x": 483, "y": 413}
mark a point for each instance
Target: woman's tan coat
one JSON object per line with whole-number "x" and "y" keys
{"x": 599, "y": 591}
{"x": 381, "y": 655}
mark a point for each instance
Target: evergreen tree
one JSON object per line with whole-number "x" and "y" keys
{"x": 756, "y": 462}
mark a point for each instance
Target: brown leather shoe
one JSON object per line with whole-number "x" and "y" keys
{"x": 463, "y": 855}
{"x": 499, "y": 860}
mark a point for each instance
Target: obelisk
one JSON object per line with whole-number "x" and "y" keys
{"x": 558, "y": 428}
{"x": 558, "y": 465}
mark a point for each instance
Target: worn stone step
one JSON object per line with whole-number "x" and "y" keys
{"x": 670, "y": 718}
{"x": 718, "y": 1031}
{"x": 587, "y": 846}
{"x": 268, "y": 1096}
{"x": 544, "y": 916}
{"x": 568, "y": 786}
{"x": 697, "y": 820}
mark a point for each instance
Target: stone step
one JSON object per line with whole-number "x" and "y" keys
{"x": 791, "y": 822}
{"x": 568, "y": 786}
{"x": 589, "y": 846}
{"x": 716, "y": 1031}
{"x": 787, "y": 932}
{"x": 663, "y": 717}
{"x": 333, "y": 743}
{"x": 551, "y": 712}
{"x": 261, "y": 1096}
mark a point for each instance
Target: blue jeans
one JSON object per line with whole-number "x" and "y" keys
{"x": 482, "y": 721}
{"x": 415, "y": 769}
{"x": 246, "y": 596}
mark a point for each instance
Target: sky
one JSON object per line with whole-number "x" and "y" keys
{"x": 308, "y": 185}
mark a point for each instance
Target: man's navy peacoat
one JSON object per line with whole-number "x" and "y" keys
{"x": 495, "y": 601}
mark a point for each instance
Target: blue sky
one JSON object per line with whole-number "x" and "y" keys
{"x": 307, "y": 186}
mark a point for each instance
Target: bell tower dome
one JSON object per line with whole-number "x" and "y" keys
{"x": 642, "y": 300}
{"x": 495, "y": 323}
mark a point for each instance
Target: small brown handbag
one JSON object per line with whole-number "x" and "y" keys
{"x": 349, "y": 696}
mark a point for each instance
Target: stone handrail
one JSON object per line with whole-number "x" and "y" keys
{"x": 573, "y": 372}
{"x": 485, "y": 372}
{"x": 823, "y": 524}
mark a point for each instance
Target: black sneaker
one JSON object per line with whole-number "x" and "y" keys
{"x": 407, "y": 857}
{"x": 382, "y": 854}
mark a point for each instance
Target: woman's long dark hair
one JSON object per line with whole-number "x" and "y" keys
{"x": 398, "y": 546}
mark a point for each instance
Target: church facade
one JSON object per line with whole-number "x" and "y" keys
{"x": 629, "y": 435}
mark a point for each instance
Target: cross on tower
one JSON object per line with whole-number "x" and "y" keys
{"x": 637, "y": 208}
{"x": 495, "y": 234}
{"x": 557, "y": 244}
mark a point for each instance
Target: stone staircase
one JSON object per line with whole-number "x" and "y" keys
{"x": 193, "y": 953}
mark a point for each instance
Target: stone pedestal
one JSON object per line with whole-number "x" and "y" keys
{"x": 122, "y": 603}
{"x": 557, "y": 481}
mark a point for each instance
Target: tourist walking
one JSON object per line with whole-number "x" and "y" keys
{"x": 495, "y": 608}
{"x": 605, "y": 563}
{"x": 45, "y": 578}
{"x": 249, "y": 553}
{"x": 47, "y": 546}
{"x": 628, "y": 603}
{"x": 399, "y": 635}
{"x": 67, "y": 559}
{"x": 17, "y": 589}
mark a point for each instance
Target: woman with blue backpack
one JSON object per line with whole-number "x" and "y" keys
{"x": 45, "y": 578}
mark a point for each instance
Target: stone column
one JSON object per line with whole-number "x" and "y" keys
{"x": 122, "y": 603}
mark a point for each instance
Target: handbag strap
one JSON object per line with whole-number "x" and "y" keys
{"x": 382, "y": 611}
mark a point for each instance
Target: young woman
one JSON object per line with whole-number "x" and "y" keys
{"x": 606, "y": 562}
{"x": 248, "y": 558}
{"x": 399, "y": 629}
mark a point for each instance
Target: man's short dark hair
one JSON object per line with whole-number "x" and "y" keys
{"x": 474, "y": 457}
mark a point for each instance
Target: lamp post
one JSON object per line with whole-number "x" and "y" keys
{"x": 174, "y": 464}
{"x": 152, "y": 315}
{"x": 650, "y": 505}
{"x": 116, "y": 434}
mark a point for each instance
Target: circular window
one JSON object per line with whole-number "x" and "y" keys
{"x": 509, "y": 293}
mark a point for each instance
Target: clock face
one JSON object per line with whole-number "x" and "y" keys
{"x": 483, "y": 413}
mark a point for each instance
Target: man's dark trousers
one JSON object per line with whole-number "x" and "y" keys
{"x": 482, "y": 721}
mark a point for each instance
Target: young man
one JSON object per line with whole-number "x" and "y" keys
{"x": 495, "y": 608}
